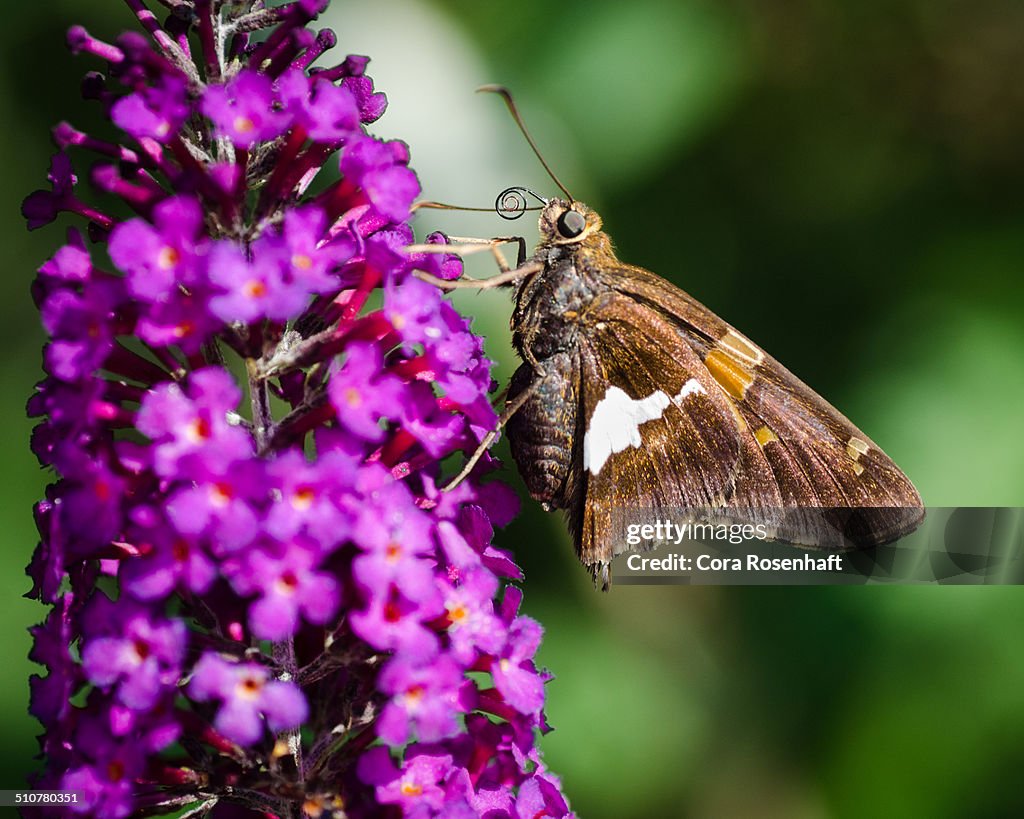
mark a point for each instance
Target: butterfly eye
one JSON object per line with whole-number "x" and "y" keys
{"x": 571, "y": 224}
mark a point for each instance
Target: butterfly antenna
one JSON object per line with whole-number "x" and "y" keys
{"x": 424, "y": 203}
{"x": 511, "y": 202}
{"x": 507, "y": 96}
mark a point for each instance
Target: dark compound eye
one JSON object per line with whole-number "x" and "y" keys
{"x": 571, "y": 224}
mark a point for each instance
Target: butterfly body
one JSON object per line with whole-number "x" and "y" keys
{"x": 636, "y": 395}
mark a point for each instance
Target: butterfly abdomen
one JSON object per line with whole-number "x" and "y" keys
{"x": 541, "y": 433}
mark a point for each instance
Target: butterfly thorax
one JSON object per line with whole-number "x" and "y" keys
{"x": 551, "y": 305}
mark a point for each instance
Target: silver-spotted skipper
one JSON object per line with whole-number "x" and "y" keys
{"x": 632, "y": 394}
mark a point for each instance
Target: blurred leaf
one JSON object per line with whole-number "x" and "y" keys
{"x": 636, "y": 81}
{"x": 944, "y": 405}
{"x": 629, "y": 725}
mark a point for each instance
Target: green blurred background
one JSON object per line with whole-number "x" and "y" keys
{"x": 842, "y": 181}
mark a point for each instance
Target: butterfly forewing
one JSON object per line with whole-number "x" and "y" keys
{"x": 796, "y": 449}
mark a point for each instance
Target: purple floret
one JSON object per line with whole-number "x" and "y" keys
{"x": 250, "y": 701}
{"x": 243, "y": 110}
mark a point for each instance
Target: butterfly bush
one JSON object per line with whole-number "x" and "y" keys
{"x": 261, "y": 602}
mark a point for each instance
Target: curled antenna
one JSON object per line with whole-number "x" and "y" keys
{"x": 507, "y": 96}
{"x": 511, "y": 202}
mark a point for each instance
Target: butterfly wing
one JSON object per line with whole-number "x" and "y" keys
{"x": 654, "y": 431}
{"x": 797, "y": 451}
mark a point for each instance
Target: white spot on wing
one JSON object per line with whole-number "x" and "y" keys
{"x": 615, "y": 424}
{"x": 691, "y": 387}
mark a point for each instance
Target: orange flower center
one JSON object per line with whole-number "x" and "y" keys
{"x": 250, "y": 687}
{"x": 167, "y": 258}
{"x": 199, "y": 430}
{"x": 141, "y": 649}
{"x": 303, "y": 498}
{"x": 221, "y": 494}
{"x": 414, "y": 695}
{"x": 255, "y": 289}
{"x": 287, "y": 583}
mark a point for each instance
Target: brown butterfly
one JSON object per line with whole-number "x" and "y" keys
{"x": 633, "y": 395}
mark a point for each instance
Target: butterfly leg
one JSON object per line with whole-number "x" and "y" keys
{"x": 468, "y": 246}
{"x": 494, "y": 244}
{"x": 506, "y": 277}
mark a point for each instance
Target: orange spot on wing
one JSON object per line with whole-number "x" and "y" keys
{"x": 729, "y": 374}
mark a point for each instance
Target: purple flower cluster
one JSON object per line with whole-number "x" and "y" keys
{"x": 262, "y": 602}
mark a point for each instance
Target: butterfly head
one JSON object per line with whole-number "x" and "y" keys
{"x": 563, "y": 222}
